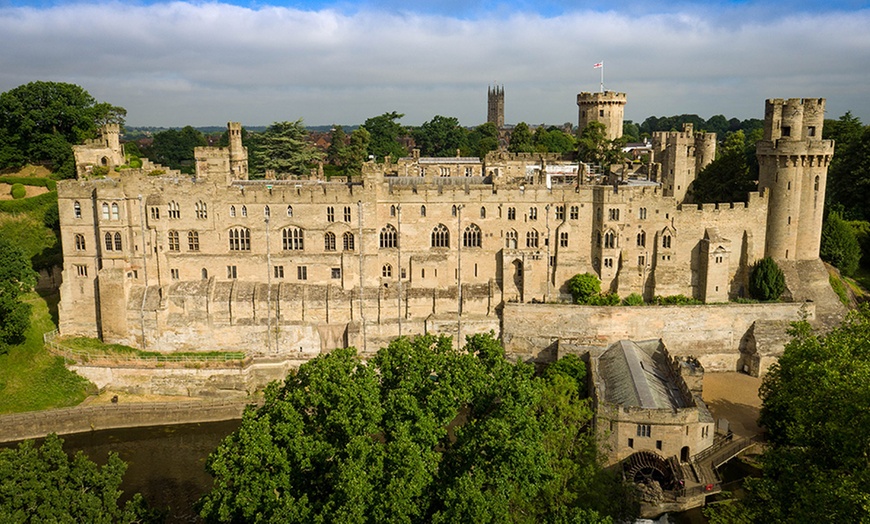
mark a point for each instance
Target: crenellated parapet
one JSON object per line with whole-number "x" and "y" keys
{"x": 606, "y": 107}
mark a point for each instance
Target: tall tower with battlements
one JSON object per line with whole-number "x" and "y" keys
{"x": 238, "y": 152}
{"x": 607, "y": 107}
{"x": 495, "y": 106}
{"x": 793, "y": 165}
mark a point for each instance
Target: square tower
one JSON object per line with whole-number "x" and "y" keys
{"x": 495, "y": 106}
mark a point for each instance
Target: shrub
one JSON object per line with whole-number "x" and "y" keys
{"x": 582, "y": 286}
{"x": 634, "y": 299}
{"x": 840, "y": 289}
{"x": 676, "y": 300}
{"x": 18, "y": 191}
{"x": 766, "y": 281}
{"x": 607, "y": 299}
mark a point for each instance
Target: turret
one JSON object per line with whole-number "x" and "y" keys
{"x": 607, "y": 107}
{"x": 238, "y": 152}
{"x": 793, "y": 165}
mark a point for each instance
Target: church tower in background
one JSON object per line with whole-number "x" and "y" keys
{"x": 495, "y": 106}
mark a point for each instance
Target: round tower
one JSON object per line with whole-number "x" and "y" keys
{"x": 607, "y": 107}
{"x": 793, "y": 167}
{"x": 705, "y": 150}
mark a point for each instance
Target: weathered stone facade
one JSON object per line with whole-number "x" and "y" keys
{"x": 167, "y": 261}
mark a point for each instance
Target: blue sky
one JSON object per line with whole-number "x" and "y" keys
{"x": 204, "y": 63}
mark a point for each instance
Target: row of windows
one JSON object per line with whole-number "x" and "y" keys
{"x": 511, "y": 212}
{"x": 112, "y": 242}
{"x": 610, "y": 239}
{"x": 175, "y": 242}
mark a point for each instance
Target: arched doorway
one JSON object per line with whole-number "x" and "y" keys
{"x": 518, "y": 277}
{"x": 684, "y": 454}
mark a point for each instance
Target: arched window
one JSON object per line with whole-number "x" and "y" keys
{"x": 174, "y": 210}
{"x": 240, "y": 239}
{"x": 109, "y": 244}
{"x": 80, "y": 242}
{"x": 174, "y": 245}
{"x": 116, "y": 213}
{"x": 244, "y": 211}
{"x": 77, "y": 209}
{"x": 329, "y": 241}
{"x": 387, "y": 271}
{"x": 482, "y": 212}
{"x": 471, "y": 237}
{"x": 512, "y": 213}
{"x": 204, "y": 273}
{"x": 641, "y": 239}
{"x": 105, "y": 208}
{"x": 453, "y": 211}
{"x": 440, "y": 236}
{"x": 609, "y": 240}
{"x": 347, "y": 241}
{"x": 289, "y": 211}
{"x": 201, "y": 210}
{"x": 193, "y": 241}
{"x": 267, "y": 212}
{"x": 392, "y": 211}
{"x": 232, "y": 211}
{"x": 510, "y": 239}
{"x": 293, "y": 239}
{"x": 666, "y": 241}
{"x": 532, "y": 238}
{"x": 422, "y": 211}
{"x": 816, "y": 186}
{"x": 117, "y": 241}
{"x": 389, "y": 237}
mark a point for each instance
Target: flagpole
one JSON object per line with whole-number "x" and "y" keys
{"x": 602, "y": 76}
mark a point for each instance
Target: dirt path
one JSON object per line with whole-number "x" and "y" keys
{"x": 734, "y": 396}
{"x": 32, "y": 191}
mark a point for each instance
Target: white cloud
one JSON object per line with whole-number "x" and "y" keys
{"x": 205, "y": 63}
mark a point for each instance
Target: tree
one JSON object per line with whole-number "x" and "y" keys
{"x": 175, "y": 148}
{"x": 355, "y": 154}
{"x": 483, "y": 139}
{"x": 594, "y": 147}
{"x": 39, "y": 121}
{"x": 849, "y": 173}
{"x": 283, "y": 148}
{"x": 335, "y": 153}
{"x": 419, "y": 433}
{"x": 839, "y": 244}
{"x": 384, "y": 134}
{"x": 16, "y": 278}
{"x": 732, "y": 175}
{"x": 43, "y": 484}
{"x": 521, "y": 139}
{"x": 816, "y": 409}
{"x": 766, "y": 280}
{"x": 441, "y": 137}
{"x": 553, "y": 140}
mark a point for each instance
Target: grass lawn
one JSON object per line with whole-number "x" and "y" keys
{"x": 31, "y": 378}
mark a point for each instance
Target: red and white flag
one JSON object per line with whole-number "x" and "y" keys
{"x": 599, "y": 65}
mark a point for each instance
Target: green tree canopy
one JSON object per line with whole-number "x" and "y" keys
{"x": 583, "y": 286}
{"x": 283, "y": 148}
{"x": 40, "y": 121}
{"x": 441, "y": 137}
{"x": 384, "y": 132}
{"x": 816, "y": 409}
{"x": 43, "y": 484}
{"x": 732, "y": 175}
{"x": 766, "y": 280}
{"x": 849, "y": 174}
{"x": 839, "y": 244}
{"x": 553, "y": 140}
{"x": 522, "y": 140}
{"x": 174, "y": 148}
{"x": 594, "y": 147}
{"x": 419, "y": 433}
{"x": 335, "y": 153}
{"x": 483, "y": 139}
{"x": 16, "y": 277}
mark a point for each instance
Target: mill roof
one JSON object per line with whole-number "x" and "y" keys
{"x": 638, "y": 374}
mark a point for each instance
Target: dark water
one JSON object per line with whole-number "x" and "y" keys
{"x": 165, "y": 463}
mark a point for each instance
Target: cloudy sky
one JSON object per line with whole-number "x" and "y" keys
{"x": 204, "y": 63}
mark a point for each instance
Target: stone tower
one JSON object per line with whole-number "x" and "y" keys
{"x": 238, "y": 152}
{"x": 680, "y": 156}
{"x": 495, "y": 106}
{"x": 607, "y": 107}
{"x": 793, "y": 167}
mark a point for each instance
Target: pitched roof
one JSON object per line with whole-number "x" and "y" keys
{"x": 638, "y": 374}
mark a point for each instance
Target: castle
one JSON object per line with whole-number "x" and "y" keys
{"x": 166, "y": 261}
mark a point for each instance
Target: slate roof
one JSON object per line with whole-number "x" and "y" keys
{"x": 638, "y": 374}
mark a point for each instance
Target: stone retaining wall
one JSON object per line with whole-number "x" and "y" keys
{"x": 37, "y": 424}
